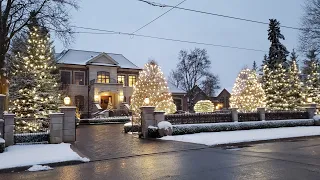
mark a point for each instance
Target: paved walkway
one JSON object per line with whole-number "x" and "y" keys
{"x": 99, "y": 142}
{"x": 294, "y": 160}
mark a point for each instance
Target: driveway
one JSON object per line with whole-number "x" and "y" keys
{"x": 99, "y": 142}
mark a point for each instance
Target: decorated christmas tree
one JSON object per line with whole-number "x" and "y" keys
{"x": 312, "y": 83}
{"x": 204, "y": 106}
{"x": 295, "y": 92}
{"x": 247, "y": 93}
{"x": 34, "y": 90}
{"x": 151, "y": 84}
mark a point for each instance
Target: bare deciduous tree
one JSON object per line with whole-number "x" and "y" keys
{"x": 310, "y": 31}
{"x": 15, "y": 16}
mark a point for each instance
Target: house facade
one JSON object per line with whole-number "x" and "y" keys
{"x": 99, "y": 80}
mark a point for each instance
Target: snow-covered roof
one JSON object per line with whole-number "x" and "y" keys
{"x": 81, "y": 57}
{"x": 175, "y": 89}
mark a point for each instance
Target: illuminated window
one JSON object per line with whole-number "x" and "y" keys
{"x": 79, "y": 78}
{"x": 132, "y": 81}
{"x": 121, "y": 79}
{"x": 103, "y": 77}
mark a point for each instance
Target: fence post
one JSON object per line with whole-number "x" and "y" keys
{"x": 1, "y": 128}
{"x": 56, "y": 128}
{"x": 158, "y": 117}
{"x": 147, "y": 119}
{"x": 9, "y": 129}
{"x": 262, "y": 113}
{"x": 2, "y": 104}
{"x": 69, "y": 123}
{"x": 311, "y": 110}
{"x": 234, "y": 113}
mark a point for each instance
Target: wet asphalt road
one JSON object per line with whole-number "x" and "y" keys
{"x": 145, "y": 159}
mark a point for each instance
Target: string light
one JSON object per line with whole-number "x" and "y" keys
{"x": 204, "y": 106}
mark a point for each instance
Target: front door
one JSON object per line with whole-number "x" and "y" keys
{"x": 106, "y": 102}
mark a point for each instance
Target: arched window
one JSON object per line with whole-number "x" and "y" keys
{"x": 79, "y": 102}
{"x": 103, "y": 77}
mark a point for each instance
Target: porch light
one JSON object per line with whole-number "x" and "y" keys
{"x": 96, "y": 98}
{"x": 121, "y": 98}
{"x": 146, "y": 101}
{"x": 67, "y": 101}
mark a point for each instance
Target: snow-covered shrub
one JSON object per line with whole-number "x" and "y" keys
{"x": 128, "y": 127}
{"x": 316, "y": 119}
{"x": 2, "y": 145}
{"x": 165, "y": 128}
{"x": 119, "y": 119}
{"x": 216, "y": 127}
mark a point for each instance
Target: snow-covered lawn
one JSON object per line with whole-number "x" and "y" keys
{"x": 28, "y": 155}
{"x": 227, "y": 137}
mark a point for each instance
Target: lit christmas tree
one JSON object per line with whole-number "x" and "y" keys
{"x": 151, "y": 84}
{"x": 34, "y": 90}
{"x": 247, "y": 93}
{"x": 295, "y": 92}
{"x": 204, "y": 106}
{"x": 312, "y": 83}
{"x": 274, "y": 79}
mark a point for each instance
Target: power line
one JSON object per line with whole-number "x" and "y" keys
{"x": 214, "y": 14}
{"x": 103, "y": 31}
{"x": 158, "y": 17}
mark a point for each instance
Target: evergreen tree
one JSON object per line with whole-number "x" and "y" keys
{"x": 295, "y": 92}
{"x": 247, "y": 93}
{"x": 34, "y": 90}
{"x": 254, "y": 66}
{"x": 311, "y": 56}
{"x": 312, "y": 84}
{"x": 151, "y": 84}
{"x": 275, "y": 83}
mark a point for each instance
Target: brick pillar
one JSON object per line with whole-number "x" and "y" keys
{"x": 1, "y": 128}
{"x": 9, "y": 129}
{"x": 234, "y": 113}
{"x": 2, "y": 104}
{"x": 158, "y": 117}
{"x": 69, "y": 123}
{"x": 311, "y": 110}
{"x": 147, "y": 119}
{"x": 262, "y": 113}
{"x": 56, "y": 128}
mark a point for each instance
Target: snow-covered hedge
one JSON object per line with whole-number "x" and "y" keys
{"x": 216, "y": 127}
{"x": 118, "y": 119}
{"x": 128, "y": 127}
{"x": 2, "y": 145}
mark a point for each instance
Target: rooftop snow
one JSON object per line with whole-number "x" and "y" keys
{"x": 175, "y": 89}
{"x": 80, "y": 57}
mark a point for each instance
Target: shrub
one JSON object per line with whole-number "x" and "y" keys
{"x": 204, "y": 106}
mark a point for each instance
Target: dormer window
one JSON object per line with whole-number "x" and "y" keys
{"x": 103, "y": 77}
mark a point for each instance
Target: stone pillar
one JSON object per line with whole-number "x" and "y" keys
{"x": 2, "y": 104}
{"x": 56, "y": 128}
{"x": 234, "y": 113}
{"x": 262, "y": 113}
{"x": 9, "y": 129}
{"x": 158, "y": 117}
{"x": 69, "y": 123}
{"x": 147, "y": 119}
{"x": 311, "y": 110}
{"x": 1, "y": 128}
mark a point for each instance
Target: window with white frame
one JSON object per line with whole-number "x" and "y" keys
{"x": 132, "y": 80}
{"x": 65, "y": 77}
{"x": 103, "y": 77}
{"x": 79, "y": 77}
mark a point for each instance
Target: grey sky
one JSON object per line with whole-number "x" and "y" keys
{"x": 129, "y": 15}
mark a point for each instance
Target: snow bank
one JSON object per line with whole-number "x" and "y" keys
{"x": 28, "y": 155}
{"x": 128, "y": 124}
{"x": 39, "y": 168}
{"x": 316, "y": 117}
{"x": 164, "y": 125}
{"x": 227, "y": 137}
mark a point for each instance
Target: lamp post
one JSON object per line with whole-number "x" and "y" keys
{"x": 146, "y": 101}
{"x": 67, "y": 101}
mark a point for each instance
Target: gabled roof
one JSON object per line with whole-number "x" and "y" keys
{"x": 81, "y": 57}
{"x": 175, "y": 89}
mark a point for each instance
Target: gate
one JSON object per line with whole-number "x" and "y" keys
{"x": 31, "y": 131}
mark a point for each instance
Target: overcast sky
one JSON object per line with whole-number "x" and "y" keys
{"x": 129, "y": 15}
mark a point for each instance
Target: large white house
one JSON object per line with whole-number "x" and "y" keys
{"x": 106, "y": 79}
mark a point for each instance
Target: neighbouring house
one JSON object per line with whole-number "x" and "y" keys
{"x": 221, "y": 101}
{"x": 179, "y": 97}
{"x": 98, "y": 80}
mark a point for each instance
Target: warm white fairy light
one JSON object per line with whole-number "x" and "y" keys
{"x": 247, "y": 93}
{"x": 204, "y": 106}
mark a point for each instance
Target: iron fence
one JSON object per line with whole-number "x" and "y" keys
{"x": 248, "y": 116}
{"x": 283, "y": 115}
{"x": 31, "y": 131}
{"x": 195, "y": 118}
{"x": 119, "y": 112}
